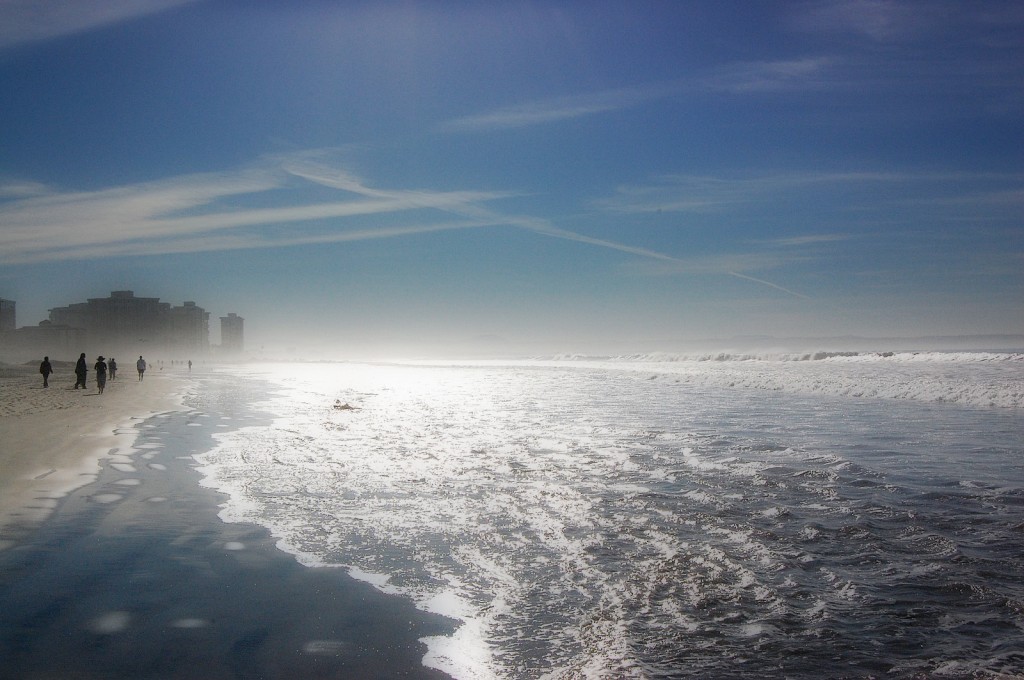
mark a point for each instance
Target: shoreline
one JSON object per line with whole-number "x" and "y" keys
{"x": 54, "y": 439}
{"x": 132, "y": 573}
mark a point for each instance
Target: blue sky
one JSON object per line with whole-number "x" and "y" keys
{"x": 567, "y": 176}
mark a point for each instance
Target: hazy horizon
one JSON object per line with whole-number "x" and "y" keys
{"x": 567, "y": 176}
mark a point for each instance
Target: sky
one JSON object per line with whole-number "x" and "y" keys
{"x": 360, "y": 177}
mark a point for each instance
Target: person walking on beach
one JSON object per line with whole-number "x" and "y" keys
{"x": 46, "y": 369}
{"x": 101, "y": 373}
{"x": 141, "y": 366}
{"x": 81, "y": 371}
{"x": 112, "y": 367}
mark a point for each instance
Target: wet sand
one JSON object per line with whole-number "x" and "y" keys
{"x": 132, "y": 574}
{"x": 53, "y": 438}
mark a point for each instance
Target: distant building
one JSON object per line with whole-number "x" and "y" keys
{"x": 7, "y": 315}
{"x": 232, "y": 333}
{"x": 46, "y": 339}
{"x": 123, "y": 323}
{"x": 190, "y": 329}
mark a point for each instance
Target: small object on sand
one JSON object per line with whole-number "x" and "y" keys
{"x": 343, "y": 407}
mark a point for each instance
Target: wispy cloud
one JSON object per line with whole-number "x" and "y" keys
{"x": 705, "y": 194}
{"x": 903, "y": 21}
{"x": 771, "y": 76}
{"x": 25, "y": 21}
{"x": 204, "y": 213}
{"x": 487, "y": 216}
{"x": 806, "y": 240}
{"x": 880, "y": 20}
{"x": 20, "y": 189}
{"x": 561, "y": 108}
{"x": 201, "y": 212}
{"x": 738, "y": 78}
{"x": 252, "y": 241}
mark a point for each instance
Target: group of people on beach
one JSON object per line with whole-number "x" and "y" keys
{"x": 102, "y": 368}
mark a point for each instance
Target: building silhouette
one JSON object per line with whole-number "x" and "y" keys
{"x": 46, "y": 339}
{"x": 189, "y": 329}
{"x": 232, "y": 333}
{"x": 124, "y": 323}
{"x": 7, "y": 315}
{"x": 119, "y": 325}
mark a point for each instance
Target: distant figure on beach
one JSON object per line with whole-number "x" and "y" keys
{"x": 112, "y": 367}
{"x": 141, "y": 366}
{"x": 46, "y": 369}
{"x": 81, "y": 370}
{"x": 101, "y": 373}
{"x": 189, "y": 365}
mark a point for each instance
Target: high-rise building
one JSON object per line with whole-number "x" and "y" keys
{"x": 8, "y": 321}
{"x": 190, "y": 328}
{"x": 46, "y": 339}
{"x": 232, "y": 335}
{"x": 124, "y": 323}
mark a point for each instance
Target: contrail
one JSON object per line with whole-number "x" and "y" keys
{"x": 769, "y": 283}
{"x": 461, "y": 204}
{"x": 573, "y": 236}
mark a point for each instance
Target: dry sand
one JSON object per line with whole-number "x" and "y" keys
{"x": 51, "y": 440}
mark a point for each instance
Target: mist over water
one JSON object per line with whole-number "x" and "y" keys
{"x": 837, "y": 518}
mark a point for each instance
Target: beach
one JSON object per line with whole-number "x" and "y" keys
{"x": 116, "y": 565}
{"x": 53, "y": 438}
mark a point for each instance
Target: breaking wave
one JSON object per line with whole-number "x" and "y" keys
{"x": 984, "y": 379}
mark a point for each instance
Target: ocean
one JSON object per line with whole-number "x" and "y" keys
{"x": 828, "y": 515}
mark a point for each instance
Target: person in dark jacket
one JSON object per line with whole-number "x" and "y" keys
{"x": 112, "y": 367}
{"x": 46, "y": 369}
{"x": 81, "y": 371}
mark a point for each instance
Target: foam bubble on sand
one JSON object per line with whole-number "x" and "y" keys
{"x": 379, "y": 581}
{"x": 157, "y": 466}
{"x": 325, "y": 647}
{"x": 109, "y": 623}
{"x": 190, "y": 623}
{"x": 123, "y": 467}
{"x": 157, "y": 499}
{"x": 131, "y": 481}
{"x": 107, "y": 497}
{"x": 234, "y": 545}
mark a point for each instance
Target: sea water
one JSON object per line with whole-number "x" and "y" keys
{"x": 659, "y": 517}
